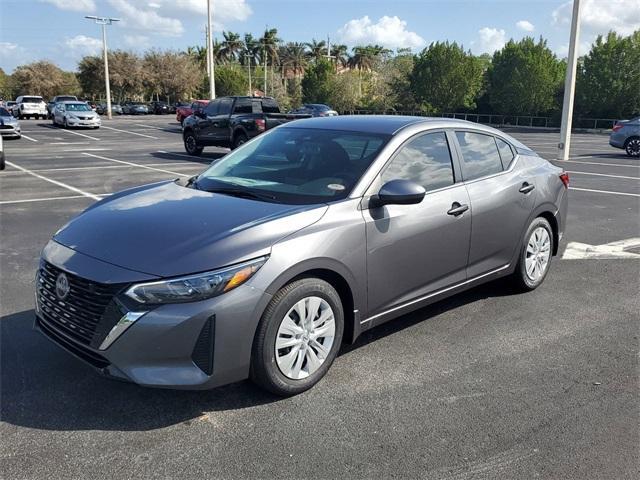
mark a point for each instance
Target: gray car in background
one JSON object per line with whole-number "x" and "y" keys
{"x": 293, "y": 244}
{"x": 626, "y": 135}
{"x": 9, "y": 125}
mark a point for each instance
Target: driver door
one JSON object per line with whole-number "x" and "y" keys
{"x": 416, "y": 250}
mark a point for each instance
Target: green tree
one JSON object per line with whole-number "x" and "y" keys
{"x": 524, "y": 78}
{"x": 608, "y": 84}
{"x": 446, "y": 78}
{"x": 230, "y": 80}
{"x": 185, "y": 77}
{"x": 40, "y": 78}
{"x": 316, "y": 82}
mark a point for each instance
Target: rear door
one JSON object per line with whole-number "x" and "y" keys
{"x": 502, "y": 196}
{"x": 415, "y": 250}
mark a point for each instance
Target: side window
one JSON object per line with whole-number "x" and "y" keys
{"x": 243, "y": 105}
{"x": 425, "y": 160}
{"x": 269, "y": 105}
{"x": 506, "y": 154}
{"x": 480, "y": 155}
{"x": 212, "y": 109}
{"x": 225, "y": 106}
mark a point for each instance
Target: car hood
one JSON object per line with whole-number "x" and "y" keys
{"x": 8, "y": 119}
{"x": 169, "y": 230}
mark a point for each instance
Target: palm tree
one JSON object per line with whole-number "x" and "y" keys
{"x": 295, "y": 59}
{"x": 199, "y": 55}
{"x": 231, "y": 46}
{"x": 364, "y": 58}
{"x": 250, "y": 53}
{"x": 317, "y": 49}
{"x": 269, "y": 43}
{"x": 340, "y": 55}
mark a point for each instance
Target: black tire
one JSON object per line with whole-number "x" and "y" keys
{"x": 265, "y": 371}
{"x": 64, "y": 123}
{"x": 191, "y": 144}
{"x": 632, "y": 146}
{"x": 239, "y": 139}
{"x": 522, "y": 280}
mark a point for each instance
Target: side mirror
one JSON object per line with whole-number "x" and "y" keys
{"x": 398, "y": 192}
{"x": 199, "y": 114}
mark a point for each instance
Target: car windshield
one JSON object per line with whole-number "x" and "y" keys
{"x": 65, "y": 99}
{"x": 296, "y": 165}
{"x": 31, "y": 99}
{"x": 4, "y": 112}
{"x": 77, "y": 107}
{"x": 321, "y": 108}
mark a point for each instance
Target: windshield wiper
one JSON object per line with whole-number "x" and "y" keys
{"x": 240, "y": 192}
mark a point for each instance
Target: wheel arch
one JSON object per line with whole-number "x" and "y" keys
{"x": 553, "y": 221}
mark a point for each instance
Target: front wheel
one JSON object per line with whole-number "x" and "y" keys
{"x": 239, "y": 139}
{"x": 535, "y": 255}
{"x": 632, "y": 147}
{"x": 191, "y": 144}
{"x": 298, "y": 337}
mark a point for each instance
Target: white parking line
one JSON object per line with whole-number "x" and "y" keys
{"x": 98, "y": 167}
{"x": 29, "y": 138}
{"x": 134, "y": 164}
{"x": 48, "y": 199}
{"x": 602, "y": 175}
{"x": 605, "y": 191}
{"x": 132, "y": 133}
{"x": 55, "y": 182}
{"x": 164, "y": 129}
{"x": 77, "y": 133}
{"x": 597, "y": 163}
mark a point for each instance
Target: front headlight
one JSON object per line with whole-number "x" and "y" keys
{"x": 195, "y": 287}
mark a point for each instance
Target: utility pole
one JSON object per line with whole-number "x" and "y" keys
{"x": 570, "y": 85}
{"x": 104, "y": 21}
{"x": 210, "y": 56}
{"x": 265, "y": 59}
{"x": 248, "y": 57}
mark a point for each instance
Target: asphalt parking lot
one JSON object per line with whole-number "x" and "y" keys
{"x": 484, "y": 385}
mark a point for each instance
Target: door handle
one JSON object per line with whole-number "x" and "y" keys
{"x": 526, "y": 188}
{"x": 457, "y": 209}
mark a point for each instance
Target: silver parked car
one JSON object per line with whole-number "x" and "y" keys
{"x": 75, "y": 114}
{"x": 626, "y": 135}
{"x": 291, "y": 245}
{"x": 9, "y": 125}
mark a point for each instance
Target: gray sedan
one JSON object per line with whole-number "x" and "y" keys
{"x": 293, "y": 244}
{"x": 626, "y": 135}
{"x": 75, "y": 114}
{"x": 9, "y": 125}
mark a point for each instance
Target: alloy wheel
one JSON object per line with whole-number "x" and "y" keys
{"x": 305, "y": 337}
{"x": 633, "y": 147}
{"x": 538, "y": 254}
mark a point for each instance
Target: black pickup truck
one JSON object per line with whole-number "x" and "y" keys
{"x": 231, "y": 121}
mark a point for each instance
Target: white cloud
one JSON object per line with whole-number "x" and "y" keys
{"x": 583, "y": 49}
{"x": 525, "y": 26}
{"x": 491, "y": 39}
{"x": 8, "y": 47}
{"x": 137, "y": 41}
{"x": 600, "y": 16}
{"x": 388, "y": 31}
{"x": 224, "y": 10}
{"x": 83, "y": 45}
{"x": 147, "y": 20}
{"x": 73, "y": 5}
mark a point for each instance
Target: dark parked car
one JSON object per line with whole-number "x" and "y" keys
{"x": 298, "y": 241}
{"x": 231, "y": 121}
{"x": 159, "y": 108}
{"x": 116, "y": 109}
{"x": 316, "y": 110}
{"x": 135, "y": 108}
{"x": 626, "y": 135}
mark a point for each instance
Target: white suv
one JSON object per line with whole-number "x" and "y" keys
{"x": 28, "y": 106}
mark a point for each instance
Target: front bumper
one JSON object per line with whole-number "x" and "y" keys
{"x": 91, "y": 122}
{"x": 195, "y": 345}
{"x": 10, "y": 130}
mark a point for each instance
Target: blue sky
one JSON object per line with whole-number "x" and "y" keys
{"x": 56, "y": 30}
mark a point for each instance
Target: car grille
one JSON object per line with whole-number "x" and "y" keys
{"x": 6, "y": 127}
{"x": 84, "y": 118}
{"x": 79, "y": 315}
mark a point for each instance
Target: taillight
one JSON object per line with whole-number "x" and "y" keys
{"x": 261, "y": 124}
{"x": 617, "y": 127}
{"x": 564, "y": 177}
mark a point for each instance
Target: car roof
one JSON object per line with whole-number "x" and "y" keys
{"x": 68, "y": 102}
{"x": 392, "y": 124}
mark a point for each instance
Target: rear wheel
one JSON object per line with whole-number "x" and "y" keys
{"x": 191, "y": 144}
{"x": 632, "y": 147}
{"x": 298, "y": 337}
{"x": 535, "y": 255}
{"x": 239, "y": 139}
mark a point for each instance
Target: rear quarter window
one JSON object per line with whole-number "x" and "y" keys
{"x": 480, "y": 156}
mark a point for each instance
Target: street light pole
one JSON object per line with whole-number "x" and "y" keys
{"x": 210, "y": 56}
{"x": 248, "y": 57}
{"x": 570, "y": 85}
{"x": 104, "y": 21}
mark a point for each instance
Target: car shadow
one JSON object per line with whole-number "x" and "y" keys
{"x": 206, "y": 157}
{"x": 45, "y": 388}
